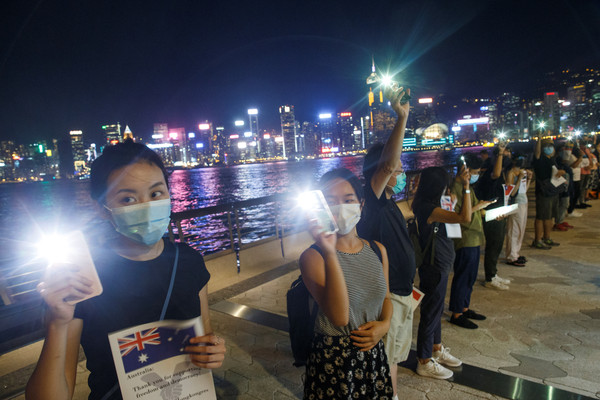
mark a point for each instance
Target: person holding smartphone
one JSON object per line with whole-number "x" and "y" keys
{"x": 348, "y": 281}
{"x": 431, "y": 219}
{"x": 135, "y": 264}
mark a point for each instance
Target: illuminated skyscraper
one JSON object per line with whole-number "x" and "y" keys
{"x": 78, "y": 149}
{"x": 288, "y": 130}
{"x": 345, "y": 131}
{"x": 112, "y": 133}
{"x": 552, "y": 113}
{"x": 327, "y": 141}
{"x": 380, "y": 118}
{"x": 127, "y": 134}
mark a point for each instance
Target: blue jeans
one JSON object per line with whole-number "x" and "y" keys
{"x": 433, "y": 285}
{"x": 466, "y": 264}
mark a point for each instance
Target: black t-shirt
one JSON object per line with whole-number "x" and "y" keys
{"x": 489, "y": 188}
{"x": 134, "y": 294}
{"x": 543, "y": 168}
{"x": 444, "y": 247}
{"x": 383, "y": 221}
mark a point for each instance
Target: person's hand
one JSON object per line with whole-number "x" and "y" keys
{"x": 561, "y": 172}
{"x": 395, "y": 95}
{"x": 501, "y": 217}
{"x": 369, "y": 334}
{"x": 465, "y": 176}
{"x": 207, "y": 351}
{"x": 324, "y": 240}
{"x": 483, "y": 204}
{"x": 62, "y": 284}
{"x": 521, "y": 174}
{"x": 501, "y": 147}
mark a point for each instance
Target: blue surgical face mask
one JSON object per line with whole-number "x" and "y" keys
{"x": 548, "y": 150}
{"x": 144, "y": 222}
{"x": 400, "y": 183}
{"x": 473, "y": 179}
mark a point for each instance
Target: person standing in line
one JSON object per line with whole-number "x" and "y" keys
{"x": 135, "y": 264}
{"x": 383, "y": 221}
{"x": 574, "y": 162}
{"x": 546, "y": 202}
{"x": 467, "y": 249}
{"x": 431, "y": 218}
{"x": 348, "y": 281}
{"x": 516, "y": 223}
{"x": 491, "y": 189}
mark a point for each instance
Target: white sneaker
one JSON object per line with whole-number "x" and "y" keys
{"x": 444, "y": 357}
{"x": 575, "y": 214}
{"x": 433, "y": 370}
{"x": 494, "y": 284}
{"x": 504, "y": 281}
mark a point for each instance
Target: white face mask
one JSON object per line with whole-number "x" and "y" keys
{"x": 347, "y": 216}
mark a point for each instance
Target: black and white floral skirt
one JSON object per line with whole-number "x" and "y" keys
{"x": 336, "y": 369}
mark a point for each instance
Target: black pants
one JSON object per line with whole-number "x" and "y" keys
{"x": 494, "y": 231}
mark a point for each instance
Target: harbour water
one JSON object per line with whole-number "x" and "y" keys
{"x": 30, "y": 209}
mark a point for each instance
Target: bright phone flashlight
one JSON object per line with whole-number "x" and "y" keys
{"x": 53, "y": 248}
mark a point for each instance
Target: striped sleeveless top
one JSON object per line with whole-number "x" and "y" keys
{"x": 367, "y": 288}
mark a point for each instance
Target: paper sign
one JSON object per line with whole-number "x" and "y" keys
{"x": 507, "y": 191}
{"x": 496, "y": 212}
{"x": 416, "y": 298}
{"x": 452, "y": 230}
{"x": 151, "y": 364}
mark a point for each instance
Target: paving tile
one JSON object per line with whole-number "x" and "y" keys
{"x": 535, "y": 368}
{"x": 585, "y": 364}
{"x": 576, "y": 385}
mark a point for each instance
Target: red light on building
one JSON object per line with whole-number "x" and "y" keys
{"x": 325, "y": 150}
{"x": 346, "y": 114}
{"x": 550, "y": 93}
{"x": 114, "y": 141}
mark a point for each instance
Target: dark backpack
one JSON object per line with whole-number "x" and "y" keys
{"x": 302, "y": 312}
{"x": 421, "y": 253}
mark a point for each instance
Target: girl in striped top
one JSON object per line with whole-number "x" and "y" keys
{"x": 350, "y": 285}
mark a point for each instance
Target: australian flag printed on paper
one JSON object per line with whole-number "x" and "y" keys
{"x": 149, "y": 346}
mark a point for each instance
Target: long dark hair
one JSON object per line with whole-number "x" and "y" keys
{"x": 432, "y": 183}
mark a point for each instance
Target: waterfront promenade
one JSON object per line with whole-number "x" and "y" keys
{"x": 544, "y": 331}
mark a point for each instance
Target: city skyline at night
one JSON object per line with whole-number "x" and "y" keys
{"x": 66, "y": 66}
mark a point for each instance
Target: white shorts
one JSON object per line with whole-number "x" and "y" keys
{"x": 399, "y": 338}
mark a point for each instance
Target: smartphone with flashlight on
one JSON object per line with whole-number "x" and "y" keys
{"x": 317, "y": 209}
{"x": 71, "y": 251}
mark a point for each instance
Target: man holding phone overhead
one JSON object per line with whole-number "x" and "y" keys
{"x": 383, "y": 221}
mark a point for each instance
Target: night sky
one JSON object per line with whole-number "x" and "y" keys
{"x": 79, "y": 64}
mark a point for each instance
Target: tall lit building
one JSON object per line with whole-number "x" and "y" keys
{"x": 345, "y": 131}
{"x": 112, "y": 133}
{"x": 381, "y": 119}
{"x": 288, "y": 130}
{"x": 552, "y": 113}
{"x": 79, "y": 150}
{"x": 127, "y": 134}
{"x": 327, "y": 141}
{"x": 253, "y": 120}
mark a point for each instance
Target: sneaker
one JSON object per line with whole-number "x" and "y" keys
{"x": 495, "y": 285}
{"x": 433, "y": 370}
{"x": 463, "y": 322}
{"x": 567, "y": 225}
{"x": 586, "y": 205}
{"x": 539, "y": 245}
{"x": 504, "y": 281}
{"x": 522, "y": 259}
{"x": 473, "y": 315}
{"x": 575, "y": 214}
{"x": 550, "y": 242}
{"x": 444, "y": 357}
{"x": 515, "y": 263}
{"x": 559, "y": 227}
